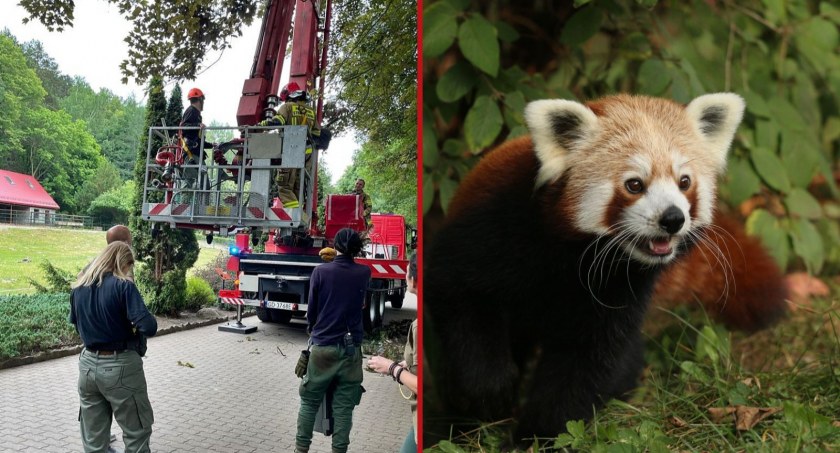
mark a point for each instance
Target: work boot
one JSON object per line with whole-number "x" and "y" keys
{"x": 115, "y": 450}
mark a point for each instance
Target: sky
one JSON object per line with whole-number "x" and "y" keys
{"x": 94, "y": 48}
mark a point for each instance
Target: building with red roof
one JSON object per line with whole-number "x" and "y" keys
{"x": 24, "y": 200}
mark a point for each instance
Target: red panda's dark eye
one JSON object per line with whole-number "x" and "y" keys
{"x": 634, "y": 185}
{"x": 685, "y": 182}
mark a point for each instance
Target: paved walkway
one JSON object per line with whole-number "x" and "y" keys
{"x": 241, "y": 396}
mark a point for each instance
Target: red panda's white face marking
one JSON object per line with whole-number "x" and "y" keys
{"x": 641, "y": 171}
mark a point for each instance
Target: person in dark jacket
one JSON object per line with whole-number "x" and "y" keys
{"x": 111, "y": 318}
{"x": 192, "y": 137}
{"x": 336, "y": 300}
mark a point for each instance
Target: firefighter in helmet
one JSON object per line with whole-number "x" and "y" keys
{"x": 295, "y": 111}
{"x": 191, "y": 138}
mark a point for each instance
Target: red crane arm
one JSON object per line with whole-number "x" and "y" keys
{"x": 306, "y": 66}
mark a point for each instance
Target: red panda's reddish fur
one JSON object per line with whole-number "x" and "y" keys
{"x": 756, "y": 295}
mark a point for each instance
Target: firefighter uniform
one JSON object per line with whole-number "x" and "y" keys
{"x": 294, "y": 113}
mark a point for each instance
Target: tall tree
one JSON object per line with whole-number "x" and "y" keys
{"x": 55, "y": 83}
{"x": 169, "y": 252}
{"x": 105, "y": 178}
{"x": 373, "y": 69}
{"x": 35, "y": 140}
{"x": 116, "y": 123}
{"x": 175, "y": 107}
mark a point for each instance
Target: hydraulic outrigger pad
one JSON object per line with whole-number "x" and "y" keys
{"x": 238, "y": 327}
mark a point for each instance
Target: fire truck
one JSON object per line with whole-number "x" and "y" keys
{"x": 237, "y": 196}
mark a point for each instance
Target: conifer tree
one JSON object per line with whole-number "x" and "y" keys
{"x": 166, "y": 253}
{"x": 175, "y": 107}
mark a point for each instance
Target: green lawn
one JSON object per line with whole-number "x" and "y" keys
{"x": 22, "y": 249}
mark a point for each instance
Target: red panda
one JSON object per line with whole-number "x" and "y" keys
{"x": 537, "y": 283}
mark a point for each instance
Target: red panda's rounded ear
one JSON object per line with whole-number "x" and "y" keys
{"x": 716, "y": 118}
{"x": 558, "y": 127}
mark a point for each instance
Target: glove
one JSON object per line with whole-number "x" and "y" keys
{"x": 302, "y": 363}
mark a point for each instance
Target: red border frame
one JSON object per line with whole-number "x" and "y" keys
{"x": 420, "y": 224}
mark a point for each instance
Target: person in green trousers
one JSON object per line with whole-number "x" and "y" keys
{"x": 336, "y": 300}
{"x": 112, "y": 321}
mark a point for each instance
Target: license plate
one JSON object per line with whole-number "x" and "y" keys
{"x": 279, "y": 305}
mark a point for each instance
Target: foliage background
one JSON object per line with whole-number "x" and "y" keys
{"x": 483, "y": 61}
{"x": 77, "y": 142}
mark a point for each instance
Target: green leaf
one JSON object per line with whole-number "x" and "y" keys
{"x": 807, "y": 243}
{"x": 454, "y": 147}
{"x": 697, "y": 87}
{"x": 742, "y": 181}
{"x": 680, "y": 90}
{"x": 483, "y": 124}
{"x": 786, "y": 114}
{"x": 801, "y": 156}
{"x": 579, "y": 3}
{"x": 576, "y": 428}
{"x": 763, "y": 225}
{"x": 756, "y": 104}
{"x": 515, "y": 103}
{"x": 767, "y": 134}
{"x": 563, "y": 440}
{"x": 456, "y": 82}
{"x": 694, "y": 371}
{"x": 776, "y": 13}
{"x": 517, "y": 132}
{"x": 831, "y": 131}
{"x": 653, "y": 77}
{"x": 430, "y": 148}
{"x": 770, "y": 169}
{"x": 819, "y": 34}
{"x": 479, "y": 44}
{"x": 507, "y": 33}
{"x": 830, "y": 12}
{"x": 439, "y": 28}
{"x": 582, "y": 26}
{"x": 447, "y": 189}
{"x": 801, "y": 203}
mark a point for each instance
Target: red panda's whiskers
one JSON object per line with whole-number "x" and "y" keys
{"x": 704, "y": 241}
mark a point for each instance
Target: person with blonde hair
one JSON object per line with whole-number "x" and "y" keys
{"x": 113, "y": 321}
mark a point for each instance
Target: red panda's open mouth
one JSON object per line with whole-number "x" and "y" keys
{"x": 660, "y": 247}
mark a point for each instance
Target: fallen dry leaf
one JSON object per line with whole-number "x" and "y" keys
{"x": 836, "y": 423}
{"x": 747, "y": 417}
{"x": 803, "y": 286}
{"x": 678, "y": 422}
{"x": 719, "y": 413}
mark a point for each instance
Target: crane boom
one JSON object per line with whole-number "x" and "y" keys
{"x": 269, "y": 58}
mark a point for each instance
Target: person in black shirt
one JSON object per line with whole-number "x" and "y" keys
{"x": 336, "y": 300}
{"x": 111, "y": 318}
{"x": 192, "y": 137}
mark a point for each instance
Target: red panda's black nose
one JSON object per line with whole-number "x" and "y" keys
{"x": 672, "y": 220}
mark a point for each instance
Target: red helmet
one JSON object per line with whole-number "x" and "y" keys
{"x": 290, "y": 87}
{"x": 195, "y": 93}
